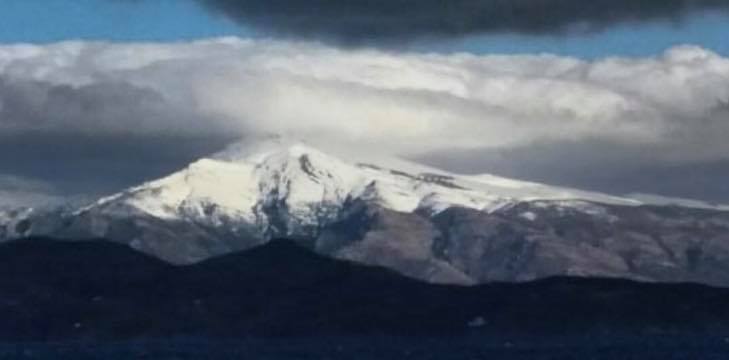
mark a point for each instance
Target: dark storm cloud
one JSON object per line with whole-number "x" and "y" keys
{"x": 383, "y": 20}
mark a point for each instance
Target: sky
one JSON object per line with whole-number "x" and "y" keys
{"x": 44, "y": 21}
{"x": 621, "y": 96}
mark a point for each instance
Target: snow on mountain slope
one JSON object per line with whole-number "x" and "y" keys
{"x": 681, "y": 202}
{"x": 11, "y": 221}
{"x": 250, "y": 180}
{"x": 384, "y": 211}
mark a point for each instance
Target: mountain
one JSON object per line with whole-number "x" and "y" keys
{"x": 13, "y": 222}
{"x": 422, "y": 222}
{"x": 97, "y": 290}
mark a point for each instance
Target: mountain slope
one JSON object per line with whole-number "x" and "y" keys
{"x": 247, "y": 179}
{"x": 96, "y": 290}
{"x": 279, "y": 187}
{"x": 422, "y": 222}
{"x": 13, "y": 222}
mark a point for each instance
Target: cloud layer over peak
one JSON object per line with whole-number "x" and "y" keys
{"x": 669, "y": 110}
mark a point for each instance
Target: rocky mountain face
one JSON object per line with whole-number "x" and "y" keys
{"x": 422, "y": 222}
{"x": 14, "y": 222}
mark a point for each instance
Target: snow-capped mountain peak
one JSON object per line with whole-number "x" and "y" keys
{"x": 249, "y": 181}
{"x": 386, "y": 211}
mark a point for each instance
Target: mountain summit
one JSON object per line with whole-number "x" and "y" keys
{"x": 423, "y": 222}
{"x": 284, "y": 187}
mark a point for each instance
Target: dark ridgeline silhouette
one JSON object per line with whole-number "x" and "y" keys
{"x": 53, "y": 290}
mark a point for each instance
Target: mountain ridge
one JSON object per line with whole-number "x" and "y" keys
{"x": 421, "y": 222}
{"x": 281, "y": 289}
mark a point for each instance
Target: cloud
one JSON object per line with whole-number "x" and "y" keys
{"x": 594, "y": 164}
{"x": 92, "y": 165}
{"x": 360, "y": 21}
{"x": 668, "y": 110}
{"x": 20, "y": 192}
{"x": 408, "y": 102}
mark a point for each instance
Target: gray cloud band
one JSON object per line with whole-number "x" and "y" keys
{"x": 75, "y": 113}
{"x": 357, "y": 21}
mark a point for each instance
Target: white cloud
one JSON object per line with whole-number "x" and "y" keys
{"x": 405, "y": 102}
